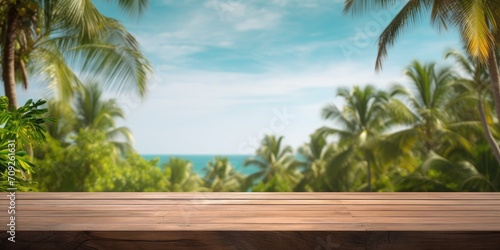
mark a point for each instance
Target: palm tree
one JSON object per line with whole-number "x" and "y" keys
{"x": 360, "y": 123}
{"x": 52, "y": 38}
{"x": 328, "y": 167}
{"x": 476, "y": 87}
{"x": 316, "y": 153}
{"x": 484, "y": 175}
{"x": 432, "y": 126}
{"x": 274, "y": 160}
{"x": 66, "y": 120}
{"x": 181, "y": 177}
{"x": 435, "y": 174}
{"x": 479, "y": 173}
{"x": 478, "y": 22}
{"x": 93, "y": 113}
{"x": 221, "y": 177}
{"x": 346, "y": 171}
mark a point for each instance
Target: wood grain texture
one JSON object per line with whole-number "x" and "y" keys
{"x": 189, "y": 240}
{"x": 255, "y": 211}
{"x": 257, "y": 195}
{"x": 315, "y": 240}
{"x": 253, "y": 221}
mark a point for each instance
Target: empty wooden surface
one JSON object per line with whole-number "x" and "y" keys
{"x": 254, "y": 211}
{"x": 272, "y": 240}
{"x": 254, "y": 221}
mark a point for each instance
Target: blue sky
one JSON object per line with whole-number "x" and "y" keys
{"x": 229, "y": 71}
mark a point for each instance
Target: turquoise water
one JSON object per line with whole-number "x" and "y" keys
{"x": 200, "y": 161}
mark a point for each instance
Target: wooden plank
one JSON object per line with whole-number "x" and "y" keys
{"x": 251, "y": 195}
{"x": 190, "y": 227}
{"x": 423, "y": 208}
{"x": 176, "y": 202}
{"x": 233, "y": 213}
{"x": 250, "y": 201}
{"x": 232, "y": 220}
{"x": 429, "y": 227}
{"x": 420, "y": 213}
{"x": 193, "y": 218}
{"x": 257, "y": 207}
{"x": 318, "y": 240}
{"x": 432, "y": 240}
{"x": 187, "y": 218}
{"x": 184, "y": 207}
{"x": 108, "y": 213}
{"x": 187, "y": 240}
{"x": 420, "y": 202}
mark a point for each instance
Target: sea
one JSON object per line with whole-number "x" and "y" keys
{"x": 200, "y": 161}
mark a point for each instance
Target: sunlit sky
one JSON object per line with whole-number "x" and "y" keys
{"x": 227, "y": 72}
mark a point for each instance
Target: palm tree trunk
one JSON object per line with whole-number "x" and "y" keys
{"x": 487, "y": 132}
{"x": 8, "y": 64}
{"x": 495, "y": 81}
{"x": 24, "y": 73}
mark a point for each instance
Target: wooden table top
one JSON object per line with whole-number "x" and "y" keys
{"x": 254, "y": 211}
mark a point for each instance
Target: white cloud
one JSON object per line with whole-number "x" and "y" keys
{"x": 190, "y": 93}
{"x": 262, "y": 20}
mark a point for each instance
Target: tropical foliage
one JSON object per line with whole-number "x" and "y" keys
{"x": 95, "y": 114}
{"x": 221, "y": 177}
{"x": 416, "y": 136}
{"x": 360, "y": 123}
{"x": 180, "y": 176}
{"x": 317, "y": 154}
{"x": 54, "y": 39}
{"x": 278, "y": 168}
{"x": 19, "y": 128}
{"x": 478, "y": 23}
{"x": 437, "y": 131}
{"x": 90, "y": 164}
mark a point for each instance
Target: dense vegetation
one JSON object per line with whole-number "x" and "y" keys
{"x": 21, "y": 129}
{"x": 438, "y": 131}
{"x": 427, "y": 134}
